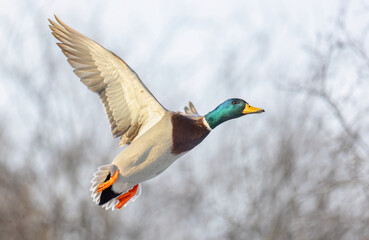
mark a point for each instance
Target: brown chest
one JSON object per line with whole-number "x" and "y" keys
{"x": 187, "y": 133}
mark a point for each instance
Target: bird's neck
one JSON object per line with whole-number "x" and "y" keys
{"x": 214, "y": 118}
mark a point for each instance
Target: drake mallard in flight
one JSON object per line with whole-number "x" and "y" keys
{"x": 155, "y": 136}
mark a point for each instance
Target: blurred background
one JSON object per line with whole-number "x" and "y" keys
{"x": 298, "y": 171}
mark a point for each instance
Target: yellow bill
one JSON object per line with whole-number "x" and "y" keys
{"x": 250, "y": 109}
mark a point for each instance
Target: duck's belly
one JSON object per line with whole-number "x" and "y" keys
{"x": 147, "y": 156}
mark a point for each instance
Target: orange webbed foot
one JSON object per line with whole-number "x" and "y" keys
{"x": 124, "y": 198}
{"x": 108, "y": 183}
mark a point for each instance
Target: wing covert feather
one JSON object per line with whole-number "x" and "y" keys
{"x": 129, "y": 105}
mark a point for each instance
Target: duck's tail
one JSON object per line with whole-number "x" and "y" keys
{"x": 102, "y": 190}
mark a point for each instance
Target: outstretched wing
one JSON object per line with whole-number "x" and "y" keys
{"x": 191, "y": 110}
{"x": 130, "y": 106}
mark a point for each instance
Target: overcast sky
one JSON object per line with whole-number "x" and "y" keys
{"x": 182, "y": 50}
{"x": 188, "y": 36}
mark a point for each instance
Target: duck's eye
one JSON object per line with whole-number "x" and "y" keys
{"x": 234, "y": 102}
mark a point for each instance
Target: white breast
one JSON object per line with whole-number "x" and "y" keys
{"x": 149, "y": 155}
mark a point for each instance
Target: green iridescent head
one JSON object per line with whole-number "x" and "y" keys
{"x": 229, "y": 109}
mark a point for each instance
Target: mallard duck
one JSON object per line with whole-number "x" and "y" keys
{"x": 155, "y": 137}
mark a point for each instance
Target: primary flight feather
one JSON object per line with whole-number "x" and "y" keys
{"x": 156, "y": 136}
